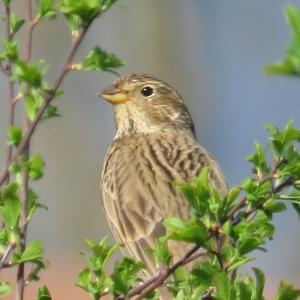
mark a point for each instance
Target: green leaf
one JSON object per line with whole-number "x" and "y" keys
{"x": 153, "y": 296}
{"x": 6, "y": 2}
{"x": 291, "y": 62}
{"x": 32, "y": 253}
{"x": 190, "y": 232}
{"x": 271, "y": 206}
{"x": 4, "y": 239}
{"x": 98, "y": 60}
{"x": 36, "y": 267}
{"x": 102, "y": 253}
{"x": 124, "y": 276}
{"x": 161, "y": 251}
{"x": 249, "y": 244}
{"x": 44, "y": 294}
{"x": 15, "y": 136}
{"x": 260, "y": 284}
{"x": 15, "y": 168}
{"x": 15, "y": 23}
{"x": 5, "y": 289}
{"x": 284, "y": 68}
{"x": 51, "y": 112}
{"x": 222, "y": 282}
{"x": 271, "y": 128}
{"x": 33, "y": 102}
{"x": 290, "y": 134}
{"x": 296, "y": 206}
{"x": 238, "y": 262}
{"x": 287, "y": 292}
{"x": 33, "y": 204}
{"x": 11, "y": 205}
{"x": 45, "y": 9}
{"x": 203, "y": 275}
{"x": 84, "y": 279}
{"x": 198, "y": 192}
{"x": 281, "y": 141}
{"x": 35, "y": 167}
{"x": 84, "y": 10}
{"x": 93, "y": 278}
{"x": 243, "y": 291}
{"x": 258, "y": 158}
{"x": 292, "y": 15}
{"x": 27, "y": 72}
{"x": 11, "y": 51}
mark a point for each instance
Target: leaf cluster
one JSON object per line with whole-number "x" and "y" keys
{"x": 95, "y": 281}
{"x": 27, "y": 79}
{"x": 290, "y": 66}
{"x": 226, "y": 229}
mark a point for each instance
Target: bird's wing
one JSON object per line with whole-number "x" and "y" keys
{"x": 137, "y": 188}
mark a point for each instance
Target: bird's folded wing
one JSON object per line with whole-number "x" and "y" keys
{"x": 137, "y": 189}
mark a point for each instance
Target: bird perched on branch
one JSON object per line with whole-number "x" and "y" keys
{"x": 155, "y": 145}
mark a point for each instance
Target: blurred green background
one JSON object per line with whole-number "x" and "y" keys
{"x": 213, "y": 52}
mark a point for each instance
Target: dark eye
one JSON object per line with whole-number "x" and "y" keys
{"x": 147, "y": 91}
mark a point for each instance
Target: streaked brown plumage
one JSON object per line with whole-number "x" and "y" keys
{"x": 155, "y": 145}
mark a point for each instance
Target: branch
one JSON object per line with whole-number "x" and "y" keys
{"x": 152, "y": 283}
{"x": 10, "y": 85}
{"x": 25, "y": 179}
{"x": 47, "y": 102}
{"x": 6, "y": 254}
{"x": 287, "y": 182}
{"x": 265, "y": 178}
{"x": 147, "y": 287}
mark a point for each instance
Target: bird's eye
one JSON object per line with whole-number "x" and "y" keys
{"x": 147, "y": 91}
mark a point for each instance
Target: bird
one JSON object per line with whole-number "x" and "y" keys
{"x": 155, "y": 145}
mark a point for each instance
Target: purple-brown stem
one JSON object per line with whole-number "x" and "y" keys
{"x": 147, "y": 287}
{"x": 10, "y": 86}
{"x": 49, "y": 98}
{"x": 25, "y": 180}
{"x": 157, "y": 280}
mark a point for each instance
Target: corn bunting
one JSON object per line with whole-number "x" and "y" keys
{"x": 155, "y": 145}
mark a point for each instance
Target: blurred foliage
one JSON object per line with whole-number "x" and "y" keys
{"x": 290, "y": 66}
{"x": 226, "y": 230}
{"x": 27, "y": 80}
{"x": 99, "y": 60}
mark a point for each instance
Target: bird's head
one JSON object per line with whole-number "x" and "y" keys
{"x": 144, "y": 104}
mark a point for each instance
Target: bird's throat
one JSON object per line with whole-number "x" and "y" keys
{"x": 132, "y": 121}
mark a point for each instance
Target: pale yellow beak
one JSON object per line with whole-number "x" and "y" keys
{"x": 114, "y": 94}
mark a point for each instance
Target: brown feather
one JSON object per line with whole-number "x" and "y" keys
{"x": 155, "y": 146}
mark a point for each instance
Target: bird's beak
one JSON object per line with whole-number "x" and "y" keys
{"x": 114, "y": 94}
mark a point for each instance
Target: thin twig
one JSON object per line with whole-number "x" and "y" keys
{"x": 164, "y": 275}
{"x": 6, "y": 254}
{"x": 45, "y": 105}
{"x": 25, "y": 179}
{"x": 267, "y": 177}
{"x": 218, "y": 251}
{"x": 287, "y": 182}
{"x": 10, "y": 85}
{"x": 152, "y": 280}
{"x": 3, "y": 69}
{"x": 152, "y": 283}
{"x": 147, "y": 287}
{"x": 235, "y": 209}
{"x": 113, "y": 72}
